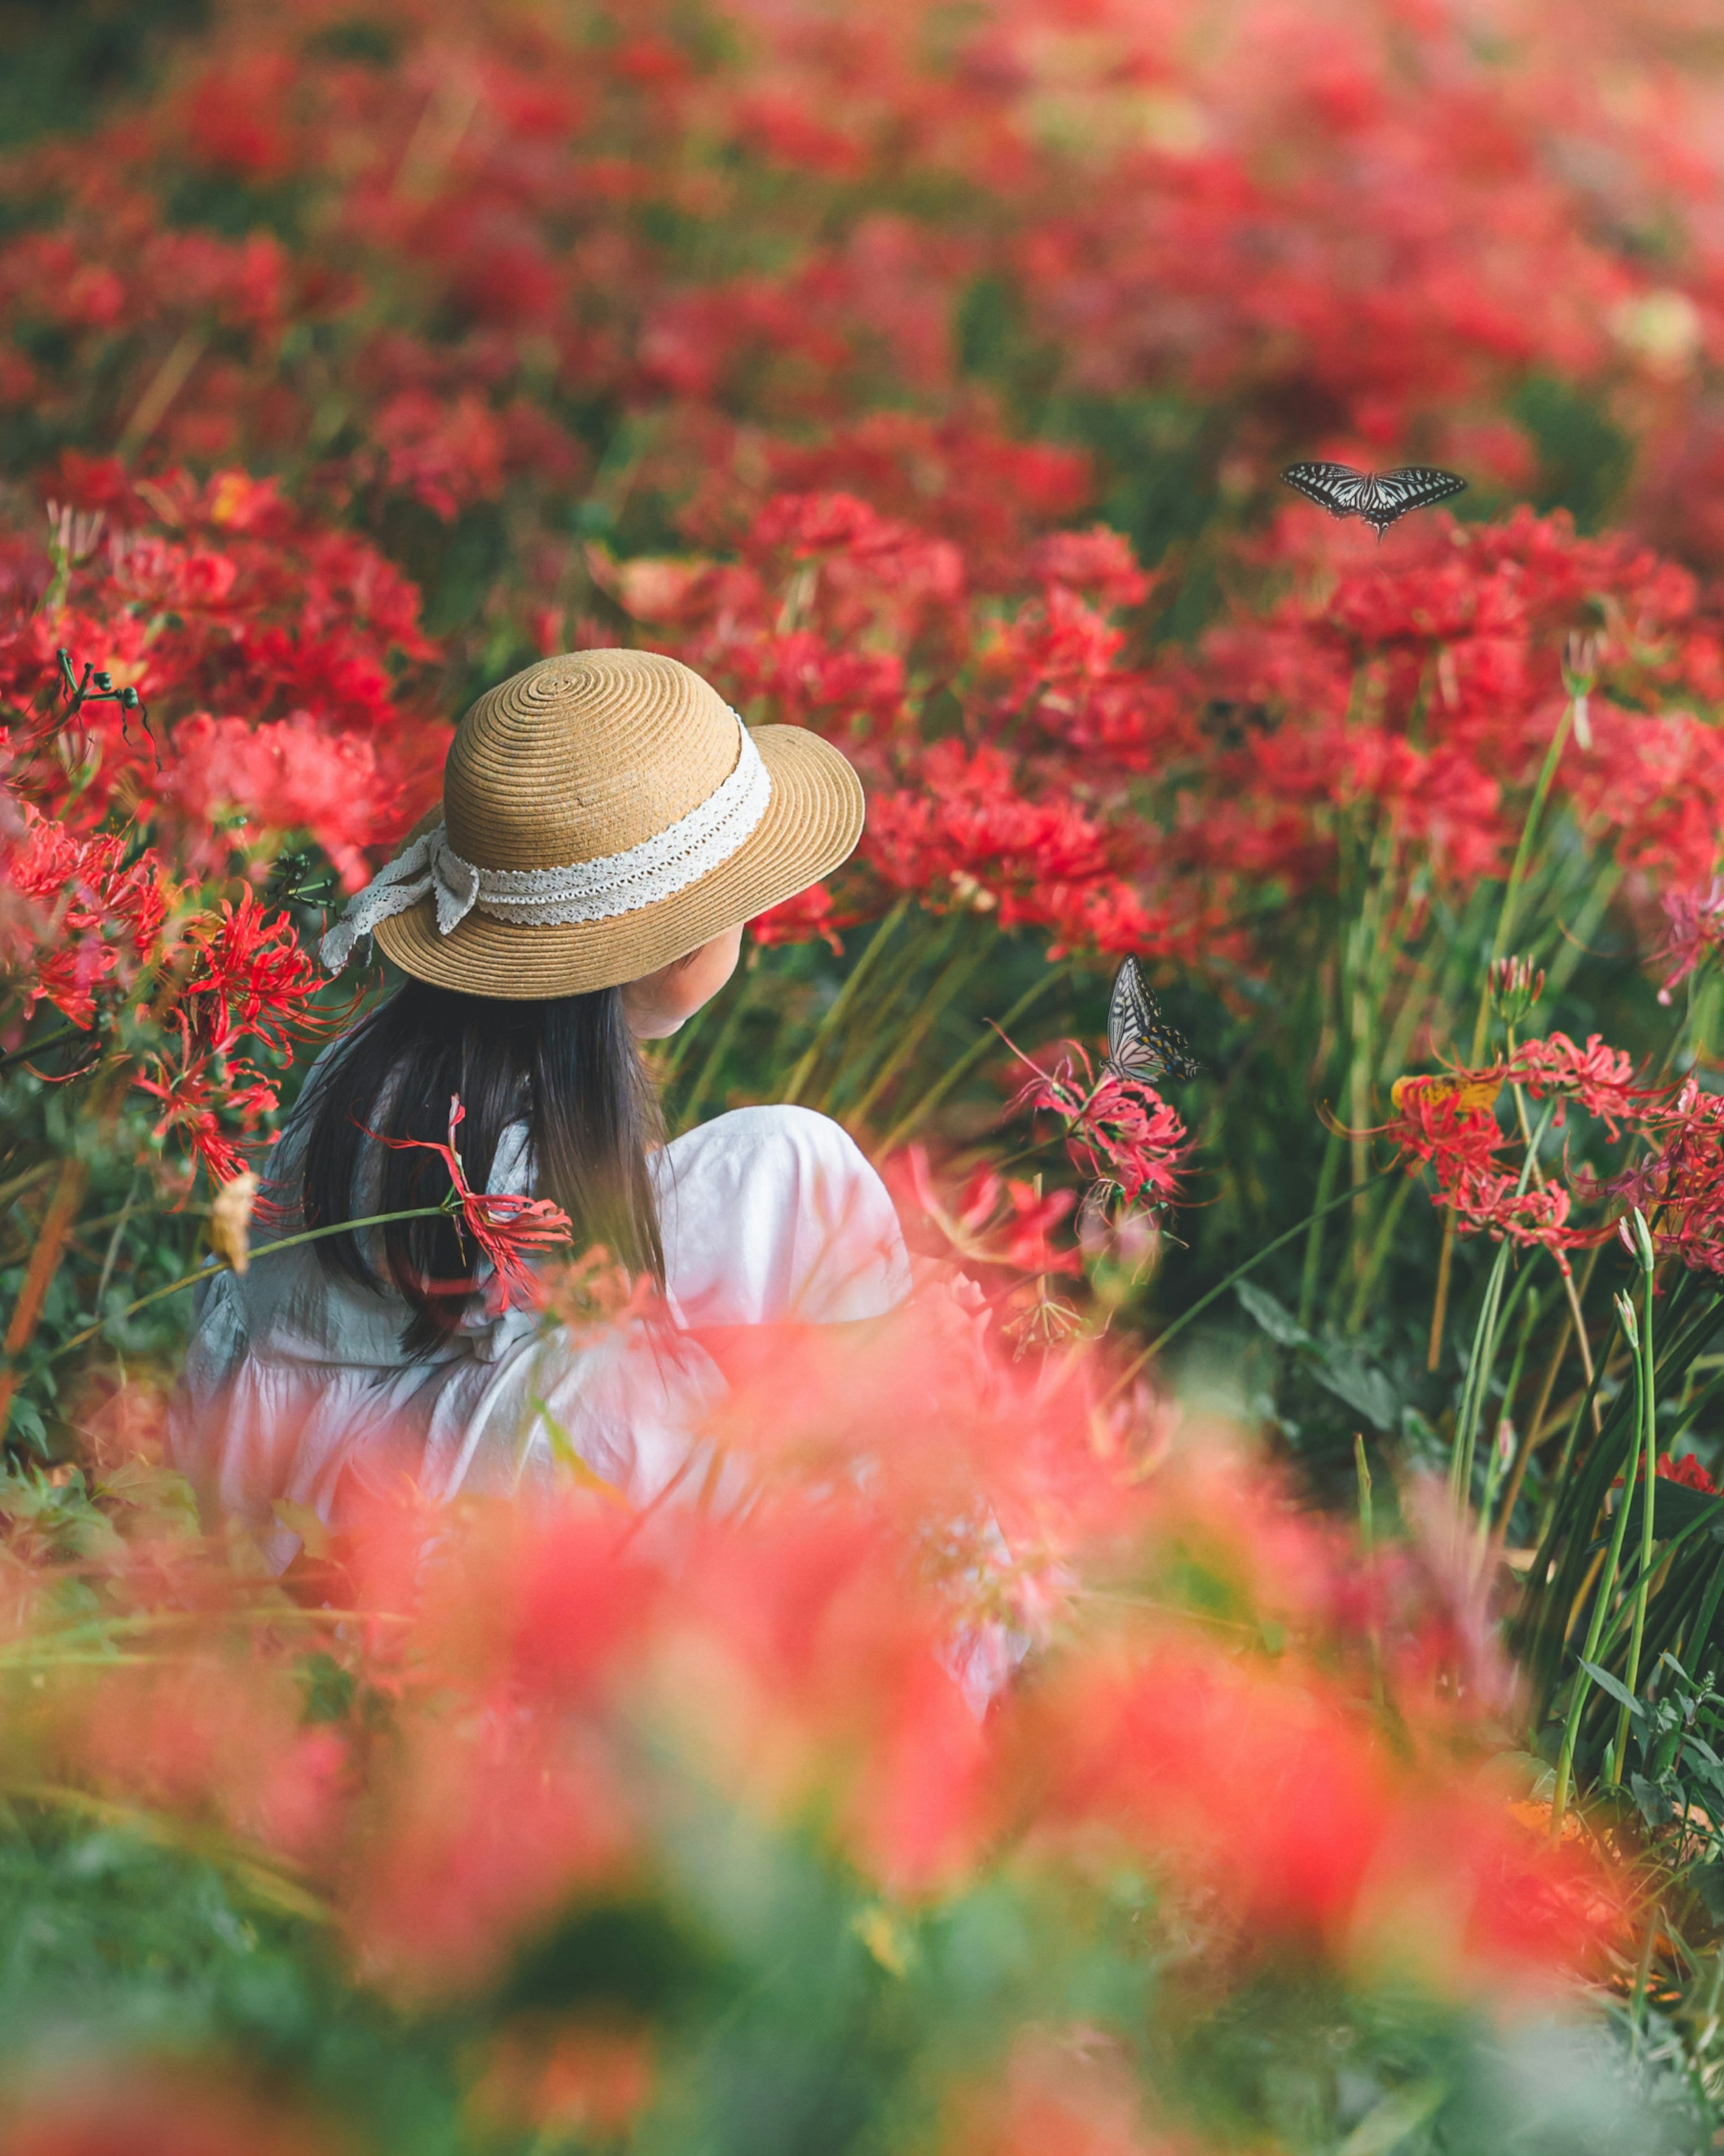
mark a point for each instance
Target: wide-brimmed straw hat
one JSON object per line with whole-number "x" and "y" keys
{"x": 603, "y": 814}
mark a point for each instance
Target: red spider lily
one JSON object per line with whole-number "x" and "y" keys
{"x": 1117, "y": 1129}
{"x": 810, "y": 914}
{"x": 998, "y": 1220}
{"x": 250, "y": 975}
{"x": 1687, "y": 1472}
{"x": 216, "y": 599}
{"x": 202, "y": 1099}
{"x": 1681, "y": 1188}
{"x": 1447, "y": 1120}
{"x": 151, "y": 2110}
{"x": 1600, "y": 1078}
{"x": 1696, "y": 926}
{"x": 1263, "y": 1792}
{"x": 509, "y": 1229}
{"x": 80, "y": 916}
{"x": 799, "y": 1663}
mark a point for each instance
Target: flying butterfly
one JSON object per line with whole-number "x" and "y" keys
{"x": 1140, "y": 1044}
{"x": 1377, "y": 497}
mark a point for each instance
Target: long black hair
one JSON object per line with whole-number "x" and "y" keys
{"x": 567, "y": 1065}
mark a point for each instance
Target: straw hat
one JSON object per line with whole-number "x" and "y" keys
{"x": 603, "y": 814}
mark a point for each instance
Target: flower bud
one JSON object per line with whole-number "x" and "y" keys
{"x": 1516, "y": 985}
{"x": 1625, "y": 1317}
{"x": 1580, "y": 671}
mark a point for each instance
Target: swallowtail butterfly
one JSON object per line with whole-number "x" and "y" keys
{"x": 1140, "y": 1044}
{"x": 1378, "y": 497}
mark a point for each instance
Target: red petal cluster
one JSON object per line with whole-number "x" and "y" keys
{"x": 76, "y": 914}
{"x": 510, "y": 1229}
{"x": 1118, "y": 1129}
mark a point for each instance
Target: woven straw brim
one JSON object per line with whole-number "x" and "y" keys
{"x": 811, "y": 824}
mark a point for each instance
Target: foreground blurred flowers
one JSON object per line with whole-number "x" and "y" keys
{"x": 978, "y": 1660}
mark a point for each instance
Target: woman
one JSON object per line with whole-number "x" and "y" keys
{"x": 608, "y": 825}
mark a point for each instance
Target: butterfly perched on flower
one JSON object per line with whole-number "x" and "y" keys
{"x": 1377, "y": 497}
{"x": 1140, "y": 1044}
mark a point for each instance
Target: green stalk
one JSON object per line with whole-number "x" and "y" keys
{"x": 1601, "y": 1605}
{"x": 1572, "y": 948}
{"x": 1649, "y": 1453}
{"x": 922, "y": 1109}
{"x": 1588, "y": 1400}
{"x": 846, "y": 995}
{"x": 1517, "y": 870}
{"x": 1484, "y": 1355}
{"x": 911, "y": 1032}
{"x": 1361, "y": 1469}
{"x": 1476, "y": 1382}
{"x": 1314, "y": 1239}
{"x": 1708, "y": 1611}
{"x": 41, "y": 1047}
{"x": 1382, "y": 1243}
{"x": 1701, "y": 1523}
{"x": 210, "y": 1268}
{"x": 1498, "y": 1466}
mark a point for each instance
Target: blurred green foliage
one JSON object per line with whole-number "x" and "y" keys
{"x": 61, "y": 60}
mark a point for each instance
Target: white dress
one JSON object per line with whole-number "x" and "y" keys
{"x": 296, "y": 1390}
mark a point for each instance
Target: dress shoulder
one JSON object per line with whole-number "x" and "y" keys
{"x": 774, "y": 1214}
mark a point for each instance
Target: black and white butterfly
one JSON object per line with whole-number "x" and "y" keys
{"x": 1378, "y": 497}
{"x": 1140, "y": 1044}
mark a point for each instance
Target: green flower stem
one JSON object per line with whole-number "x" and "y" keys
{"x": 1478, "y": 1365}
{"x": 1517, "y": 870}
{"x": 1601, "y": 1605}
{"x": 1712, "y": 1517}
{"x": 210, "y": 1268}
{"x": 1382, "y": 1244}
{"x": 1498, "y": 1467}
{"x": 1310, "y": 1271}
{"x": 1649, "y": 1453}
{"x": 919, "y": 1110}
{"x": 942, "y": 992}
{"x": 1499, "y": 946}
{"x": 35, "y": 1048}
{"x": 841, "y": 1002}
{"x": 1484, "y": 1339}
{"x": 876, "y": 1024}
{"x": 1361, "y": 1471}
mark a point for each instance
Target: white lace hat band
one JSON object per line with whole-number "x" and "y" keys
{"x": 601, "y": 890}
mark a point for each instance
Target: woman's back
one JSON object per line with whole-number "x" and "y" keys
{"x": 608, "y": 825}
{"x": 297, "y": 1389}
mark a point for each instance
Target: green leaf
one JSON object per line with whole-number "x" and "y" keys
{"x": 1351, "y": 1378}
{"x": 1337, "y": 1367}
{"x": 1656, "y": 1806}
{"x": 1270, "y": 1316}
{"x": 1617, "y": 1689}
{"x": 1707, "y": 1881}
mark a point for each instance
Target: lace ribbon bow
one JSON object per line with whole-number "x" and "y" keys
{"x": 430, "y": 865}
{"x": 581, "y": 891}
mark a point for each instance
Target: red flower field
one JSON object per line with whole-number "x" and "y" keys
{"x": 1235, "y": 1667}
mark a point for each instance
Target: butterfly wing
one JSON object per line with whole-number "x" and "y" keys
{"x": 1390, "y": 495}
{"x": 1140, "y": 1044}
{"x": 1337, "y": 487}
